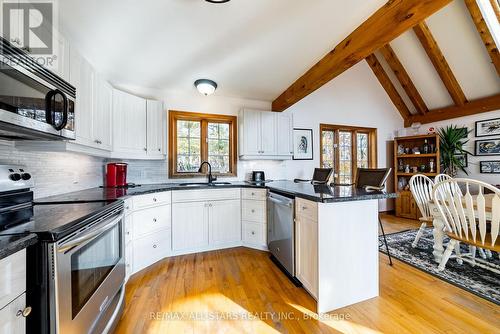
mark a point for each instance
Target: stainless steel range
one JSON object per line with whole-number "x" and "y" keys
{"x": 76, "y": 271}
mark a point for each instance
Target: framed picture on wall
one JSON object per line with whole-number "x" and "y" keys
{"x": 487, "y": 147}
{"x": 303, "y": 144}
{"x": 488, "y": 127}
{"x": 489, "y": 167}
{"x": 463, "y": 158}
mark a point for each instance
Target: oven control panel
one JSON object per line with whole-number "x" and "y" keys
{"x": 14, "y": 177}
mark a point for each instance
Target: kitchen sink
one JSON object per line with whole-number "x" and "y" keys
{"x": 201, "y": 184}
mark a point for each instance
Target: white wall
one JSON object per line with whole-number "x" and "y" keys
{"x": 354, "y": 98}
{"x": 469, "y": 122}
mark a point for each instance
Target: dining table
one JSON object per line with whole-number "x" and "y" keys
{"x": 439, "y": 225}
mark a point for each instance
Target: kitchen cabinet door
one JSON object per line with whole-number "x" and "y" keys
{"x": 129, "y": 125}
{"x": 61, "y": 66}
{"x": 82, "y": 77}
{"x": 284, "y": 127}
{"x": 10, "y": 321}
{"x": 189, "y": 225}
{"x": 224, "y": 222}
{"x": 250, "y": 128}
{"x": 155, "y": 128}
{"x": 101, "y": 117}
{"x": 268, "y": 133}
{"x": 306, "y": 234}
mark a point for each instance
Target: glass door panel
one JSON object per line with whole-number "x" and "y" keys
{"x": 91, "y": 264}
{"x": 345, "y": 157}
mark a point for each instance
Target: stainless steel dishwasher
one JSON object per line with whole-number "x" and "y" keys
{"x": 281, "y": 231}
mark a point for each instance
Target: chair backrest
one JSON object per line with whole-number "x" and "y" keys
{"x": 452, "y": 187}
{"x": 421, "y": 189}
{"x": 321, "y": 175}
{"x": 462, "y": 214}
{"x": 372, "y": 177}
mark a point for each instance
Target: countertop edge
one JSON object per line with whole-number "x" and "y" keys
{"x": 17, "y": 245}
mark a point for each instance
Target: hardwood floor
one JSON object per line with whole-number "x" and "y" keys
{"x": 244, "y": 288}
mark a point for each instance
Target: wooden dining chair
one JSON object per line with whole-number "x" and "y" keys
{"x": 484, "y": 253}
{"x": 469, "y": 218}
{"x": 421, "y": 189}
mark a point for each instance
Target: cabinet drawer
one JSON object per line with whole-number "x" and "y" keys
{"x": 144, "y": 201}
{"x": 254, "y": 234}
{"x": 254, "y": 211}
{"x": 150, "y": 220}
{"x": 255, "y": 194}
{"x": 306, "y": 209}
{"x": 12, "y": 277}
{"x": 10, "y": 322}
{"x": 150, "y": 249}
{"x": 200, "y": 195}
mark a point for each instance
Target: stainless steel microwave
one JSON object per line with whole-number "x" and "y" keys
{"x": 34, "y": 102}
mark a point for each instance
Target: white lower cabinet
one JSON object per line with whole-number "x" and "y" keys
{"x": 224, "y": 222}
{"x": 13, "y": 309}
{"x": 306, "y": 243}
{"x": 254, "y": 234}
{"x": 189, "y": 225}
{"x": 151, "y": 248}
{"x": 12, "y": 320}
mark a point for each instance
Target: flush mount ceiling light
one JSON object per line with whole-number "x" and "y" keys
{"x": 205, "y": 86}
{"x": 217, "y": 1}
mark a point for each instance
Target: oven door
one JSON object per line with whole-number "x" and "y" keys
{"x": 33, "y": 108}
{"x": 90, "y": 271}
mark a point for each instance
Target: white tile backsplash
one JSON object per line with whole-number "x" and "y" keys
{"x": 55, "y": 172}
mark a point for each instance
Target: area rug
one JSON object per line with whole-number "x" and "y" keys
{"x": 478, "y": 281}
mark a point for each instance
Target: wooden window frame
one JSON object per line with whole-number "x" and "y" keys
{"x": 372, "y": 146}
{"x": 204, "y": 119}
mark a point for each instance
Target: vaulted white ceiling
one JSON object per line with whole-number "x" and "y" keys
{"x": 252, "y": 48}
{"x": 257, "y": 48}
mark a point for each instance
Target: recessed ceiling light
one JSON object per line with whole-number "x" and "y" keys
{"x": 205, "y": 86}
{"x": 217, "y": 1}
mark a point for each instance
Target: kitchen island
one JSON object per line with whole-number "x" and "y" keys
{"x": 336, "y": 229}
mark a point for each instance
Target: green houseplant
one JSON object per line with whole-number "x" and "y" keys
{"x": 452, "y": 145}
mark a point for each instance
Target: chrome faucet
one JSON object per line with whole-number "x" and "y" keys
{"x": 211, "y": 178}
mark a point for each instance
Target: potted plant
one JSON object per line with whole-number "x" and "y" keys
{"x": 452, "y": 142}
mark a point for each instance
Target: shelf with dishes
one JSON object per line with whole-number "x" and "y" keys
{"x": 414, "y": 155}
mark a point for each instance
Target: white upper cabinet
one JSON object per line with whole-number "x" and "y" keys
{"x": 268, "y": 133}
{"x": 137, "y": 127}
{"x": 129, "y": 125}
{"x": 284, "y": 134}
{"x": 155, "y": 128}
{"x": 265, "y": 135}
{"x": 93, "y": 104}
{"x": 82, "y": 77}
{"x": 102, "y": 113}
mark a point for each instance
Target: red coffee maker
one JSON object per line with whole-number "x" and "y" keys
{"x": 116, "y": 175}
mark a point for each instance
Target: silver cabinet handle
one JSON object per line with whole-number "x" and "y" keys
{"x": 154, "y": 246}
{"x": 154, "y": 220}
{"x": 26, "y": 312}
{"x": 253, "y": 194}
{"x": 154, "y": 199}
{"x": 253, "y": 211}
{"x": 159, "y": 150}
{"x": 145, "y": 149}
{"x": 304, "y": 208}
{"x": 253, "y": 233}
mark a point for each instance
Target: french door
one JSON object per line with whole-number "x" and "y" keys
{"x": 347, "y": 148}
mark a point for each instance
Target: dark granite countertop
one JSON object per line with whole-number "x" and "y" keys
{"x": 317, "y": 193}
{"x": 10, "y": 244}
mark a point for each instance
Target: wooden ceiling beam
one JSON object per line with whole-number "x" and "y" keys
{"x": 387, "y": 84}
{"x": 387, "y": 23}
{"x": 478, "y": 106}
{"x": 403, "y": 77}
{"x": 440, "y": 64}
{"x": 484, "y": 32}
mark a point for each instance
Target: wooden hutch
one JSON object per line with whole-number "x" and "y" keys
{"x": 410, "y": 159}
